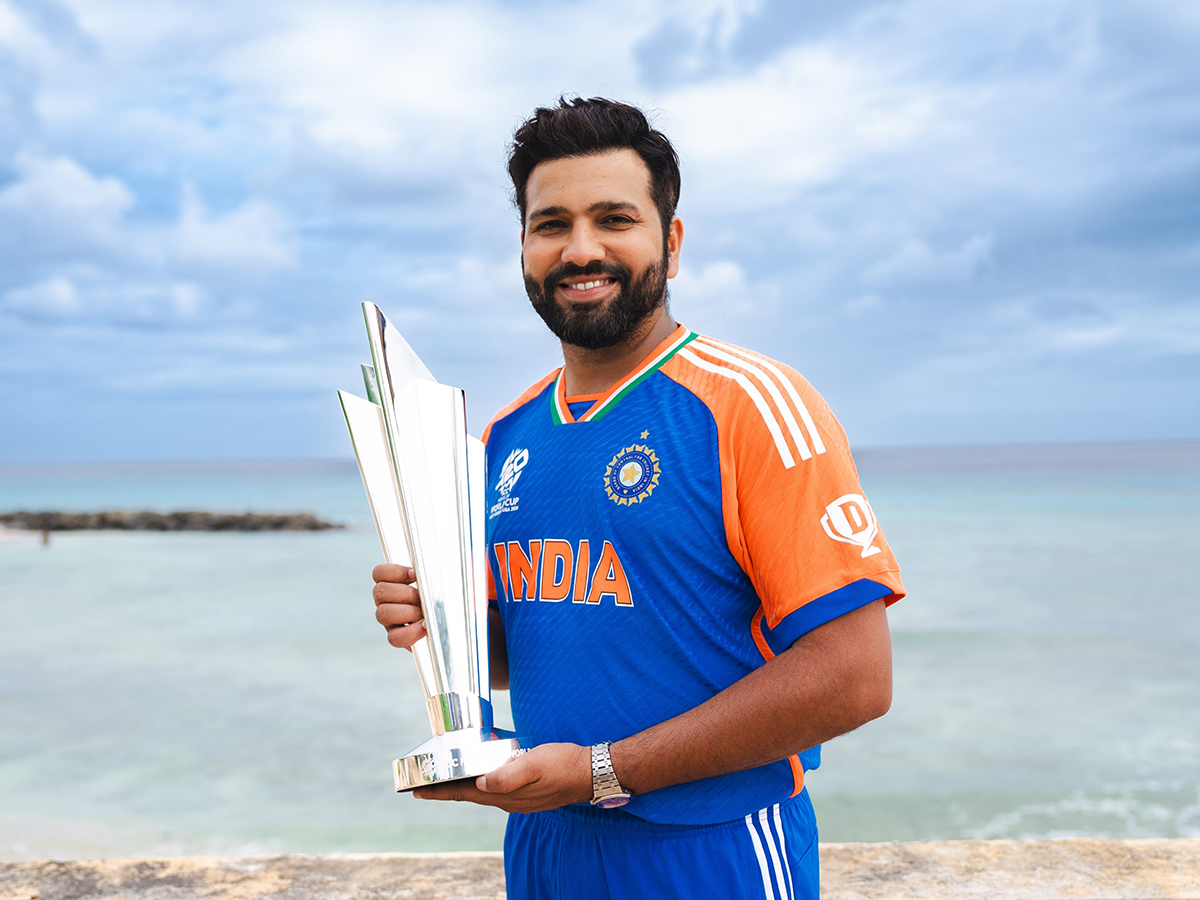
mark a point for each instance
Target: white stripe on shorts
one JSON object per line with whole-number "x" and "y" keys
{"x": 779, "y": 879}
{"x": 762, "y": 859}
{"x": 783, "y": 853}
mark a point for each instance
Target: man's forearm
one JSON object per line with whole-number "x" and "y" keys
{"x": 832, "y": 680}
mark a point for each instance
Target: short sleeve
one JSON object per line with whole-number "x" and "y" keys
{"x": 806, "y": 529}
{"x": 796, "y": 518}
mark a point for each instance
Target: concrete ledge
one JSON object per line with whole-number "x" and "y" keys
{"x": 1003, "y": 870}
{"x": 1013, "y": 870}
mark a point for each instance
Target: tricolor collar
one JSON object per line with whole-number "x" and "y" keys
{"x": 561, "y": 412}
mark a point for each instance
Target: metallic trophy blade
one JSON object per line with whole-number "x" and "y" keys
{"x": 365, "y": 422}
{"x": 371, "y": 384}
{"x": 439, "y": 475}
{"x": 477, "y": 475}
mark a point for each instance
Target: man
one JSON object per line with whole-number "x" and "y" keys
{"x": 690, "y": 586}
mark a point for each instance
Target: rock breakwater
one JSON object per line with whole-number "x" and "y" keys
{"x": 186, "y": 520}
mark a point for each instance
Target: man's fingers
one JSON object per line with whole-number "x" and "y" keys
{"x": 391, "y": 614}
{"x": 393, "y": 573}
{"x": 513, "y": 774}
{"x": 460, "y": 791}
{"x": 404, "y": 636}
{"x": 389, "y": 592}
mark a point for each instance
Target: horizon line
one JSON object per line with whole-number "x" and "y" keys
{"x": 339, "y": 462}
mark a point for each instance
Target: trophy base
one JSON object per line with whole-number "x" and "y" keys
{"x": 468, "y": 753}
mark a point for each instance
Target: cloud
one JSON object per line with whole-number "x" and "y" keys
{"x": 914, "y": 200}
{"x": 56, "y": 207}
{"x": 92, "y": 298}
{"x": 253, "y": 239}
{"x": 54, "y": 298}
{"x": 915, "y": 260}
{"x": 717, "y": 290}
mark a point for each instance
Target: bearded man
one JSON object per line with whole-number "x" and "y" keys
{"x": 689, "y": 586}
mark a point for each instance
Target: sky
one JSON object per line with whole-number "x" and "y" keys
{"x": 962, "y": 222}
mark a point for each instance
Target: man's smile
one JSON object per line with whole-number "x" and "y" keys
{"x": 585, "y": 288}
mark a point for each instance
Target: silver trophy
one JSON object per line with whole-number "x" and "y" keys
{"x": 424, "y": 478}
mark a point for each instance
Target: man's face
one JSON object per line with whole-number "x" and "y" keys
{"x": 592, "y": 249}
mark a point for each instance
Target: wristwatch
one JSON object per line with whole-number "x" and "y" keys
{"x": 606, "y": 790}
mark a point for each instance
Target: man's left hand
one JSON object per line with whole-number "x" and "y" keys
{"x": 547, "y": 777}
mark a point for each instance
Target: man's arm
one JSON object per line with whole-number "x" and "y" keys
{"x": 398, "y": 609}
{"x": 830, "y": 681}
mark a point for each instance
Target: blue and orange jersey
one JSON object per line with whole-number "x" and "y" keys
{"x": 652, "y": 545}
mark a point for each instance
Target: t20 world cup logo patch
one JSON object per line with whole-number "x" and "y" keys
{"x": 632, "y": 475}
{"x": 509, "y": 473}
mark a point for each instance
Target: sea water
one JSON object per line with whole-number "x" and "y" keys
{"x": 199, "y": 693}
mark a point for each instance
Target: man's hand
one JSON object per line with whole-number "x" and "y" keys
{"x": 547, "y": 777}
{"x": 398, "y": 604}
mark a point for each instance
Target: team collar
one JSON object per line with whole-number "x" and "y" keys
{"x": 561, "y": 412}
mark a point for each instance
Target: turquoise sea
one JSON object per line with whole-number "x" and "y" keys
{"x": 231, "y": 693}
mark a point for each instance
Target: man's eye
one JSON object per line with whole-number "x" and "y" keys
{"x": 549, "y": 226}
{"x": 617, "y": 220}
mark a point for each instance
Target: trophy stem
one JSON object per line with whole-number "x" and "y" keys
{"x": 455, "y": 712}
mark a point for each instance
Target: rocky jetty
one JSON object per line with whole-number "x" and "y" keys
{"x": 187, "y": 520}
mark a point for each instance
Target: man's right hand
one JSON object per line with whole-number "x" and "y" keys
{"x": 398, "y": 604}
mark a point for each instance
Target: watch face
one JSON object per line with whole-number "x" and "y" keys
{"x": 614, "y": 801}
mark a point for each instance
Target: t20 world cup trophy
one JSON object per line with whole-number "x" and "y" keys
{"x": 425, "y": 481}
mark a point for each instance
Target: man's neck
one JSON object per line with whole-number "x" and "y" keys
{"x": 595, "y": 371}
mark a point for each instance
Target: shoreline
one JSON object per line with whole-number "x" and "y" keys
{"x": 1083, "y": 868}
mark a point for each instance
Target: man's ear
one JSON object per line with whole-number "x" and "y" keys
{"x": 674, "y": 245}
{"x": 522, "y": 237}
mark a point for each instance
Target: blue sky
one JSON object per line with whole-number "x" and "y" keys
{"x": 963, "y": 222}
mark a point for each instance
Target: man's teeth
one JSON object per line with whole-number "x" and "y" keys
{"x": 588, "y": 285}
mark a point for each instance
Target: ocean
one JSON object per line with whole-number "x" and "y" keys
{"x": 195, "y": 693}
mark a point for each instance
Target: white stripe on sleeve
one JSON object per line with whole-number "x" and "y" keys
{"x": 766, "y": 382}
{"x": 754, "y": 394}
{"x": 818, "y": 444}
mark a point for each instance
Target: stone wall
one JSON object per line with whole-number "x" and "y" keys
{"x": 997, "y": 870}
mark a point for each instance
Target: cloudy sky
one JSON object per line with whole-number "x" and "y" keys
{"x": 964, "y": 222}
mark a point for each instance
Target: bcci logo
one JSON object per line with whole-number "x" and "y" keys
{"x": 632, "y": 475}
{"x": 509, "y": 473}
{"x": 849, "y": 519}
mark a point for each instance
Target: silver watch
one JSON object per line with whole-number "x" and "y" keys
{"x": 606, "y": 790}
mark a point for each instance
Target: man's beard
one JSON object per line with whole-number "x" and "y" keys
{"x": 595, "y": 326}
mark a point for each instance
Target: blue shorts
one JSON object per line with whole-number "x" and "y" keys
{"x": 582, "y": 853}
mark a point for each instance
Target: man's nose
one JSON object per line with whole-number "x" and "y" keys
{"x": 582, "y": 245}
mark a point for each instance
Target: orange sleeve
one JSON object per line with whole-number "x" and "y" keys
{"x": 795, "y": 515}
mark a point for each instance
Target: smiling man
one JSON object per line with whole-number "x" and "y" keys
{"x": 690, "y": 586}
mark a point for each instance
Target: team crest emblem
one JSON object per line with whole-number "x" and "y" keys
{"x": 632, "y": 475}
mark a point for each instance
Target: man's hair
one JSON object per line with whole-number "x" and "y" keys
{"x": 583, "y": 127}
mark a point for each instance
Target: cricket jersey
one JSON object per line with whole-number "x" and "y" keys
{"x": 651, "y": 546}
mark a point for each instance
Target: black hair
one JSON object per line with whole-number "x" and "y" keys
{"x": 583, "y": 127}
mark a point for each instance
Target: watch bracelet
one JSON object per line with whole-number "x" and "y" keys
{"x": 604, "y": 778}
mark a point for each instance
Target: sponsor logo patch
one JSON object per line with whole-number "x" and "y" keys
{"x": 632, "y": 475}
{"x": 849, "y": 519}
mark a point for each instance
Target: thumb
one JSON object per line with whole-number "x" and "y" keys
{"x": 510, "y": 776}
